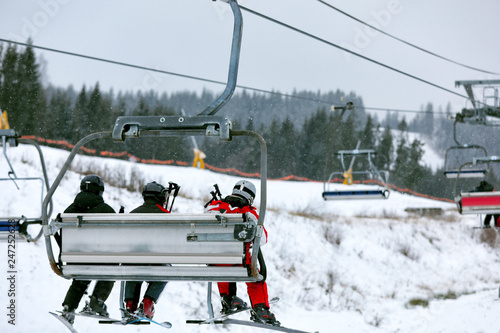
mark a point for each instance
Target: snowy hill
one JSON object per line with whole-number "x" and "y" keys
{"x": 337, "y": 266}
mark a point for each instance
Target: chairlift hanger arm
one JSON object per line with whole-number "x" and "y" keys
{"x": 486, "y": 159}
{"x": 263, "y": 199}
{"x": 233, "y": 63}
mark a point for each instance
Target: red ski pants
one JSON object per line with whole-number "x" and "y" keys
{"x": 257, "y": 291}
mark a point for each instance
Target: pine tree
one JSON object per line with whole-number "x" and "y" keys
{"x": 367, "y": 140}
{"x": 31, "y": 99}
{"x": 417, "y": 171}
{"x": 287, "y": 152}
{"x": 59, "y": 124}
{"x": 385, "y": 150}
{"x": 349, "y": 137}
{"x": 313, "y": 150}
{"x": 8, "y": 94}
{"x": 80, "y": 128}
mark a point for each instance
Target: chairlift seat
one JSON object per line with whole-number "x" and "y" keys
{"x": 155, "y": 246}
{"x": 465, "y": 173}
{"x": 479, "y": 203}
{"x": 356, "y": 194}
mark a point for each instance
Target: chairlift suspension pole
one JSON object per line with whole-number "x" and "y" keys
{"x": 233, "y": 64}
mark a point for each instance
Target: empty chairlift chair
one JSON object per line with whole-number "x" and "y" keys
{"x": 374, "y": 183}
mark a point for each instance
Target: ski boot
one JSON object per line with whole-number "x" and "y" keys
{"x": 147, "y": 308}
{"x": 130, "y": 305}
{"x": 231, "y": 304}
{"x": 95, "y": 307}
{"x": 68, "y": 315}
{"x": 261, "y": 314}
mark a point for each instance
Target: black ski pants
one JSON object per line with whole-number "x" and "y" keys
{"x": 153, "y": 291}
{"x": 77, "y": 289}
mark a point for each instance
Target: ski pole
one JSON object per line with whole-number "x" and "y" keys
{"x": 217, "y": 191}
{"x": 169, "y": 190}
{"x": 176, "y": 191}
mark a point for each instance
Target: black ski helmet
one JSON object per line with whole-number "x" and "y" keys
{"x": 245, "y": 189}
{"x": 93, "y": 184}
{"x": 155, "y": 191}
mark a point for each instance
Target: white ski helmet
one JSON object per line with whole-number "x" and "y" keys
{"x": 245, "y": 189}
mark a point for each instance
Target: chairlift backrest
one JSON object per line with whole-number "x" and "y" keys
{"x": 161, "y": 246}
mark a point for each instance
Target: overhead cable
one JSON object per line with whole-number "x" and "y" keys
{"x": 317, "y": 100}
{"x": 405, "y": 42}
{"x": 157, "y": 70}
{"x": 351, "y": 52}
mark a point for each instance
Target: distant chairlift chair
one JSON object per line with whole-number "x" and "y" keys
{"x": 357, "y": 191}
{"x": 478, "y": 202}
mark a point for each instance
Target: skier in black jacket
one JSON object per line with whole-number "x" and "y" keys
{"x": 89, "y": 200}
{"x": 154, "y": 195}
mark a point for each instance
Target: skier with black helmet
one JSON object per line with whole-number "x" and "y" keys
{"x": 89, "y": 200}
{"x": 240, "y": 201}
{"x": 155, "y": 196}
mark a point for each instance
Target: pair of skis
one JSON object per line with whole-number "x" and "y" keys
{"x": 225, "y": 319}
{"x": 135, "y": 320}
{"x": 222, "y": 319}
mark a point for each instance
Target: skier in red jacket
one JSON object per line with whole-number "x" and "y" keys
{"x": 240, "y": 201}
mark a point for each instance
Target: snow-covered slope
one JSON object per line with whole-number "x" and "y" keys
{"x": 337, "y": 266}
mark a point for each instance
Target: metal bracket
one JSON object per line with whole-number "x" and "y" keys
{"x": 260, "y": 231}
{"x": 136, "y": 126}
{"x": 245, "y": 232}
{"x": 222, "y": 220}
{"x": 192, "y": 237}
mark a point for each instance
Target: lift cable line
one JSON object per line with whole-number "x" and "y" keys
{"x": 119, "y": 63}
{"x": 405, "y": 42}
{"x": 160, "y": 71}
{"x": 351, "y": 52}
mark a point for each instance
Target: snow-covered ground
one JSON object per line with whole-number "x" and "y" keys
{"x": 337, "y": 266}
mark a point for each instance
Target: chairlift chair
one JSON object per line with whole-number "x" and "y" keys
{"x": 485, "y": 112}
{"x": 17, "y": 226}
{"x": 202, "y": 240}
{"x": 357, "y": 191}
{"x": 456, "y": 156}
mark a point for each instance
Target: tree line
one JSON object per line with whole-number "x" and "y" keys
{"x": 302, "y": 136}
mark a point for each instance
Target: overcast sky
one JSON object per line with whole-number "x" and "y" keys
{"x": 193, "y": 37}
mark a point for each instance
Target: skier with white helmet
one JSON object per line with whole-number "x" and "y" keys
{"x": 240, "y": 201}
